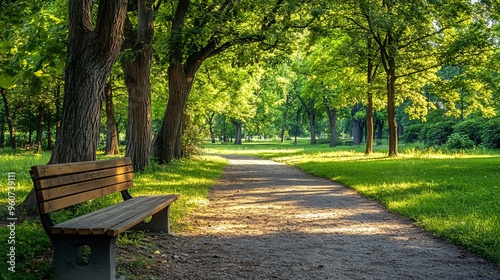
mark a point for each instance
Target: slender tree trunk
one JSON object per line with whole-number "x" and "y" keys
{"x": 369, "y": 125}
{"x": 391, "y": 110}
{"x": 10, "y": 119}
{"x": 211, "y": 126}
{"x": 356, "y": 125}
{"x": 111, "y": 133}
{"x": 39, "y": 124}
{"x": 238, "y": 135}
{"x": 2, "y": 131}
{"x": 137, "y": 79}
{"x": 49, "y": 131}
{"x": 312, "y": 124}
{"x": 285, "y": 114}
{"x": 91, "y": 55}
{"x": 332, "y": 119}
{"x": 371, "y": 73}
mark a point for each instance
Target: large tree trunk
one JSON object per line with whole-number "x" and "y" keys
{"x": 91, "y": 55}
{"x": 137, "y": 79}
{"x": 111, "y": 132}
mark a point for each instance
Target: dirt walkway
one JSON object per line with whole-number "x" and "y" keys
{"x": 270, "y": 221}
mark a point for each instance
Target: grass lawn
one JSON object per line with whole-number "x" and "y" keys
{"x": 190, "y": 178}
{"x": 454, "y": 195}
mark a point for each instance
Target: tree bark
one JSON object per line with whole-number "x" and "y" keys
{"x": 391, "y": 109}
{"x": 285, "y": 114}
{"x": 111, "y": 132}
{"x": 356, "y": 125}
{"x": 332, "y": 120}
{"x": 137, "y": 78}
{"x": 91, "y": 55}
{"x": 211, "y": 126}
{"x": 238, "y": 134}
{"x": 168, "y": 141}
{"x": 39, "y": 124}
{"x": 369, "y": 125}
{"x": 10, "y": 119}
{"x": 49, "y": 131}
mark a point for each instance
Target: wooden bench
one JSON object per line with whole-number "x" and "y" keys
{"x": 85, "y": 246}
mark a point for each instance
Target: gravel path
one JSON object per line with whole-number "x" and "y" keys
{"x": 267, "y": 220}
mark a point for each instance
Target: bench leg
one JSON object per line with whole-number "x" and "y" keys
{"x": 160, "y": 222}
{"x": 72, "y": 262}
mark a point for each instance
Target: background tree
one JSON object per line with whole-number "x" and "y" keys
{"x": 201, "y": 31}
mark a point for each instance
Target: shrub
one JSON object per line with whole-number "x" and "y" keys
{"x": 491, "y": 133}
{"x": 411, "y": 133}
{"x": 438, "y": 133}
{"x": 472, "y": 127}
{"x": 458, "y": 141}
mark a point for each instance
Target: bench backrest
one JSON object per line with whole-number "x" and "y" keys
{"x": 58, "y": 186}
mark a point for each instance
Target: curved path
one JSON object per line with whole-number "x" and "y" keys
{"x": 267, "y": 220}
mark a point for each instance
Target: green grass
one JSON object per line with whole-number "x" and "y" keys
{"x": 190, "y": 178}
{"x": 454, "y": 195}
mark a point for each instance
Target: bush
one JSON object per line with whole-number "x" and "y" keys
{"x": 411, "y": 133}
{"x": 438, "y": 133}
{"x": 491, "y": 133}
{"x": 458, "y": 141}
{"x": 472, "y": 127}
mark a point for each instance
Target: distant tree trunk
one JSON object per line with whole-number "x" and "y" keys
{"x": 332, "y": 119}
{"x": 49, "y": 130}
{"x": 369, "y": 125}
{"x": 39, "y": 124}
{"x": 137, "y": 78}
{"x": 111, "y": 133}
{"x": 285, "y": 113}
{"x": 391, "y": 109}
{"x": 371, "y": 73}
{"x": 311, "y": 114}
{"x": 10, "y": 118}
{"x": 357, "y": 132}
{"x": 91, "y": 55}
{"x": 211, "y": 118}
{"x": 2, "y": 130}
{"x": 379, "y": 128}
{"x": 237, "y": 138}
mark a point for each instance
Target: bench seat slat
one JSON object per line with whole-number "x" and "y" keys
{"x": 115, "y": 219}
